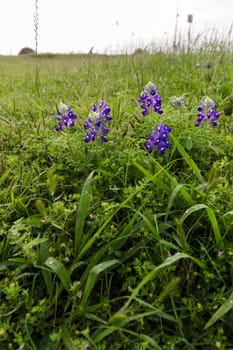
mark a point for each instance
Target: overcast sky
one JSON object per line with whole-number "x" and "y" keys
{"x": 107, "y": 25}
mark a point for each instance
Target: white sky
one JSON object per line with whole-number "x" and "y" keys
{"x": 107, "y": 25}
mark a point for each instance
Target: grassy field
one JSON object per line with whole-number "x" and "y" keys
{"x": 112, "y": 238}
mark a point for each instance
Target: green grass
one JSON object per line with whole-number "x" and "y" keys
{"x": 104, "y": 245}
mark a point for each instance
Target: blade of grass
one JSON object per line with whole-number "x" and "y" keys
{"x": 213, "y": 221}
{"x": 227, "y": 306}
{"x": 169, "y": 261}
{"x": 82, "y": 211}
{"x": 43, "y": 256}
{"x": 215, "y": 227}
{"x": 172, "y": 179}
{"x": 172, "y": 198}
{"x": 91, "y": 241}
{"x": 156, "y": 180}
{"x": 188, "y": 159}
{"x": 4, "y": 176}
{"x": 60, "y": 270}
{"x": 109, "y": 330}
{"x": 92, "y": 278}
{"x": 215, "y": 266}
{"x": 158, "y": 312}
{"x": 67, "y": 340}
{"x": 192, "y": 210}
{"x": 149, "y": 225}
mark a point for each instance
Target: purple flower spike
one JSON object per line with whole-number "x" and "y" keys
{"x": 159, "y": 138}
{"x": 150, "y": 99}
{"x": 207, "y": 110}
{"x": 65, "y": 117}
{"x": 208, "y": 65}
{"x": 96, "y": 122}
{"x": 177, "y": 102}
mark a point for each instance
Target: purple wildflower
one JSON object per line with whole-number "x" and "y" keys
{"x": 177, "y": 102}
{"x": 208, "y": 65}
{"x": 149, "y": 99}
{"x": 65, "y": 117}
{"x": 207, "y": 110}
{"x": 159, "y": 138}
{"x": 96, "y": 122}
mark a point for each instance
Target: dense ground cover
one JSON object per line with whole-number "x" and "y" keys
{"x": 108, "y": 245}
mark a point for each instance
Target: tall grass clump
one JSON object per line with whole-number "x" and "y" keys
{"x": 116, "y": 201}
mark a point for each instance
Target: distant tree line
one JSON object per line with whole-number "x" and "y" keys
{"x": 26, "y": 51}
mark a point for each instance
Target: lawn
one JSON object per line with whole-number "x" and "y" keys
{"x": 116, "y": 201}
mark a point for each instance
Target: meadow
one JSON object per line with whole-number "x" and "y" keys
{"x": 112, "y": 238}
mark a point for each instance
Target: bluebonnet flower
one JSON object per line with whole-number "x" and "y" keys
{"x": 65, "y": 117}
{"x": 177, "y": 102}
{"x": 208, "y": 65}
{"x": 198, "y": 66}
{"x": 149, "y": 99}
{"x": 207, "y": 110}
{"x": 159, "y": 138}
{"x": 96, "y": 123}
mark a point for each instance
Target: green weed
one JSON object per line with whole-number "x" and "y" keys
{"x": 106, "y": 245}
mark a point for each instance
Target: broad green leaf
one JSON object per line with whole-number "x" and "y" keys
{"x": 93, "y": 275}
{"x": 192, "y": 210}
{"x": 44, "y": 255}
{"x": 168, "y": 244}
{"x": 227, "y": 306}
{"x": 215, "y": 227}
{"x": 35, "y": 242}
{"x": 60, "y": 270}
{"x": 4, "y": 176}
{"x": 172, "y": 198}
